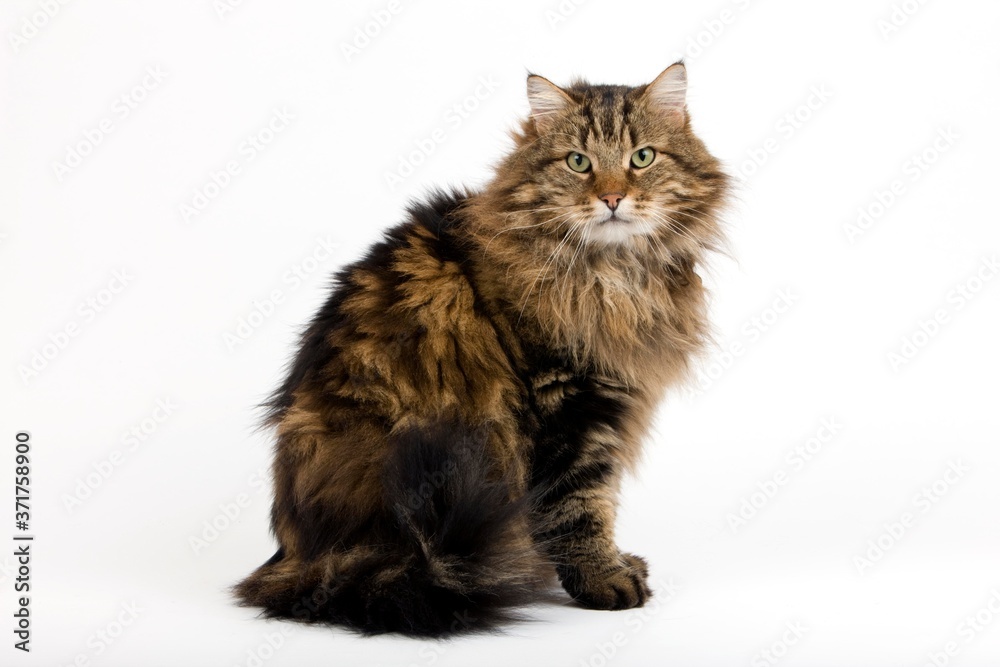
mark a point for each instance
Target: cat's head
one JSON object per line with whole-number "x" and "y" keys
{"x": 613, "y": 166}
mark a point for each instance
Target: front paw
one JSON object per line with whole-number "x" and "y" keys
{"x": 618, "y": 584}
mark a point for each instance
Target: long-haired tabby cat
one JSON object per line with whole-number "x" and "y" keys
{"x": 457, "y": 421}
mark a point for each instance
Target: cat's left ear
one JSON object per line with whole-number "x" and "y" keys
{"x": 668, "y": 93}
{"x": 547, "y": 100}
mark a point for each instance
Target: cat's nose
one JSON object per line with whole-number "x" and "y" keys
{"x": 612, "y": 199}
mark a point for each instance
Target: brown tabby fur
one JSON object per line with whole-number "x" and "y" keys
{"x": 460, "y": 413}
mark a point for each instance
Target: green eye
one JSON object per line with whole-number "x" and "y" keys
{"x": 643, "y": 157}
{"x": 578, "y": 162}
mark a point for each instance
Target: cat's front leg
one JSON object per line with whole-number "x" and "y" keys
{"x": 602, "y": 577}
{"x": 575, "y": 517}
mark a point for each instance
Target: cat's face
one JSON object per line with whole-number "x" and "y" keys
{"x": 609, "y": 166}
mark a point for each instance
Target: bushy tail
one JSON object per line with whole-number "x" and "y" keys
{"x": 452, "y": 554}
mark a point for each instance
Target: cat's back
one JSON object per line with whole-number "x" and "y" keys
{"x": 402, "y": 326}
{"x": 413, "y": 282}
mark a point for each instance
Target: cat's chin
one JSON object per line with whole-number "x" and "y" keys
{"x": 615, "y": 229}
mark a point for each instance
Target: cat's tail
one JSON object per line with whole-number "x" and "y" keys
{"x": 453, "y": 554}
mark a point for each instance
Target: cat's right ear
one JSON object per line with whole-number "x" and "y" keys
{"x": 668, "y": 92}
{"x": 547, "y": 100}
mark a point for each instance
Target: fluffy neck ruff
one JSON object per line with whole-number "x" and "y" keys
{"x": 632, "y": 312}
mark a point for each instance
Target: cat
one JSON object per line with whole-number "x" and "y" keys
{"x": 454, "y": 427}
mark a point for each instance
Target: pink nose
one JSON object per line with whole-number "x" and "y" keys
{"x": 612, "y": 199}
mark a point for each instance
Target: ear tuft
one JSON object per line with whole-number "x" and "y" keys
{"x": 668, "y": 92}
{"x": 546, "y": 100}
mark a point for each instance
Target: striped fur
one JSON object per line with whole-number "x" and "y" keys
{"x": 458, "y": 417}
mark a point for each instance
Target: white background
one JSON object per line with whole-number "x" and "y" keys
{"x": 726, "y": 591}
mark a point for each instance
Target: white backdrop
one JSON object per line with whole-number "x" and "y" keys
{"x": 180, "y": 178}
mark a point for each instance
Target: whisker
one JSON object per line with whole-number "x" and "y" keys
{"x": 674, "y": 226}
{"x": 539, "y": 224}
{"x": 543, "y": 272}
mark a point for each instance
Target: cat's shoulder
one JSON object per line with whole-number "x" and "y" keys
{"x": 429, "y": 232}
{"x": 435, "y": 223}
{"x": 419, "y": 264}
{"x": 439, "y": 211}
{"x": 430, "y": 244}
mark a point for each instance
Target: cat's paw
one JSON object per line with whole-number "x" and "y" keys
{"x": 620, "y": 584}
